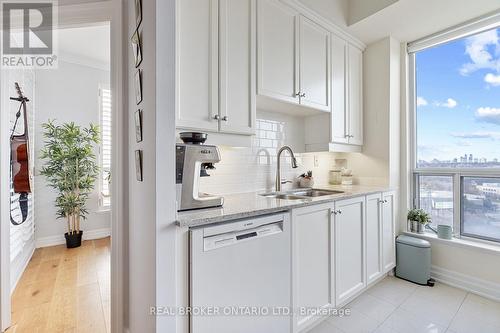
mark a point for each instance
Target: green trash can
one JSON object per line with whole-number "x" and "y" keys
{"x": 413, "y": 260}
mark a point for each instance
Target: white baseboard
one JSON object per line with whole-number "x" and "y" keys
{"x": 59, "y": 239}
{"x": 469, "y": 283}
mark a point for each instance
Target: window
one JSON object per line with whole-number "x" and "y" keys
{"x": 480, "y": 203}
{"x": 455, "y": 86}
{"x": 105, "y": 149}
{"x": 435, "y": 196}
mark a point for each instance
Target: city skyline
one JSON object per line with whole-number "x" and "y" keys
{"x": 458, "y": 99}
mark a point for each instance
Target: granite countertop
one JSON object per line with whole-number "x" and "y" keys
{"x": 243, "y": 205}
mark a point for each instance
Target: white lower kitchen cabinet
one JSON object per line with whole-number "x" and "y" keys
{"x": 312, "y": 257}
{"x": 350, "y": 261}
{"x": 374, "y": 237}
{"x": 388, "y": 230}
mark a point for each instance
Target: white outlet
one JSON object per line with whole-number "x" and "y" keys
{"x": 316, "y": 161}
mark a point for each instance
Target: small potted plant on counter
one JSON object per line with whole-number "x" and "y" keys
{"x": 417, "y": 220}
{"x": 71, "y": 169}
{"x": 306, "y": 179}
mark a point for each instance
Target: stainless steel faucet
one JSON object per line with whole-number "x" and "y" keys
{"x": 278, "y": 165}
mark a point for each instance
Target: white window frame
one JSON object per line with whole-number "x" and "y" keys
{"x": 102, "y": 206}
{"x": 469, "y": 28}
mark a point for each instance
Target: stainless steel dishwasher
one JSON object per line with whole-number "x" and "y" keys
{"x": 240, "y": 276}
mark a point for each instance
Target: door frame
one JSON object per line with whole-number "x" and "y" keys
{"x": 84, "y": 14}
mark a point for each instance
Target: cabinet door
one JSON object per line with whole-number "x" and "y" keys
{"x": 237, "y": 66}
{"x": 277, "y": 74}
{"x": 388, "y": 231}
{"x": 314, "y": 65}
{"x": 339, "y": 119}
{"x": 197, "y": 64}
{"x": 312, "y": 255}
{"x": 355, "y": 95}
{"x": 373, "y": 237}
{"x": 349, "y": 249}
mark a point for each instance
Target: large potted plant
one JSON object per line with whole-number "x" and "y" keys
{"x": 71, "y": 169}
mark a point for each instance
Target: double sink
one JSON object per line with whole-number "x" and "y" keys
{"x": 300, "y": 194}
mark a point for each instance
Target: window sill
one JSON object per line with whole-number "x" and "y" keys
{"x": 484, "y": 247}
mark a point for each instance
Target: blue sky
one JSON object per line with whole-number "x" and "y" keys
{"x": 458, "y": 98}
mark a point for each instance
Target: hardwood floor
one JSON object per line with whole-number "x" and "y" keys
{"x": 64, "y": 290}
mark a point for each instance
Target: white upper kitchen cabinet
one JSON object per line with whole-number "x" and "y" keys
{"x": 277, "y": 64}
{"x": 339, "y": 117}
{"x": 388, "y": 230}
{"x": 312, "y": 256}
{"x": 197, "y": 64}
{"x": 374, "y": 236}
{"x": 347, "y": 93}
{"x": 355, "y": 95}
{"x": 314, "y": 65}
{"x": 237, "y": 66}
{"x": 293, "y": 57}
{"x": 349, "y": 231}
{"x": 216, "y": 65}
{"x": 341, "y": 130}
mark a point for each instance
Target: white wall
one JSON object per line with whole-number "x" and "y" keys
{"x": 67, "y": 94}
{"x": 360, "y": 9}
{"x": 142, "y": 219}
{"x": 336, "y": 11}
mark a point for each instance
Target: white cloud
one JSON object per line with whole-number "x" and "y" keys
{"x": 492, "y": 79}
{"x": 450, "y": 103}
{"x": 476, "y": 135}
{"x": 488, "y": 115}
{"x": 421, "y": 101}
{"x": 478, "y": 49}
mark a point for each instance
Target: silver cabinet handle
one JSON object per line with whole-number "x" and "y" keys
{"x": 302, "y": 95}
{"x": 339, "y": 211}
{"x": 297, "y": 94}
{"x": 225, "y": 118}
{"x": 217, "y": 117}
{"x": 333, "y": 212}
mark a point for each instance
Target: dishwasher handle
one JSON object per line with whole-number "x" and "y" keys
{"x": 231, "y": 238}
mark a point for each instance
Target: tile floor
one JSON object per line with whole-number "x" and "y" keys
{"x": 398, "y": 306}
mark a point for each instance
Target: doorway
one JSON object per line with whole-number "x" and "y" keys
{"x": 55, "y": 288}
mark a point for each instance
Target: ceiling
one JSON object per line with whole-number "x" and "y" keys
{"x": 89, "y": 45}
{"x": 409, "y": 20}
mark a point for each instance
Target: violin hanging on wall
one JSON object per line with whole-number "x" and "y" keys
{"x": 20, "y": 159}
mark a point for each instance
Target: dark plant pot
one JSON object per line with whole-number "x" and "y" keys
{"x": 73, "y": 240}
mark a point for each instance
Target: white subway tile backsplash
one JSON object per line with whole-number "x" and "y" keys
{"x": 254, "y": 168}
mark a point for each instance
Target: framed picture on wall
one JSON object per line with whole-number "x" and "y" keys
{"x": 138, "y": 86}
{"x": 138, "y": 165}
{"x": 138, "y": 125}
{"x": 136, "y": 48}
{"x": 138, "y": 12}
